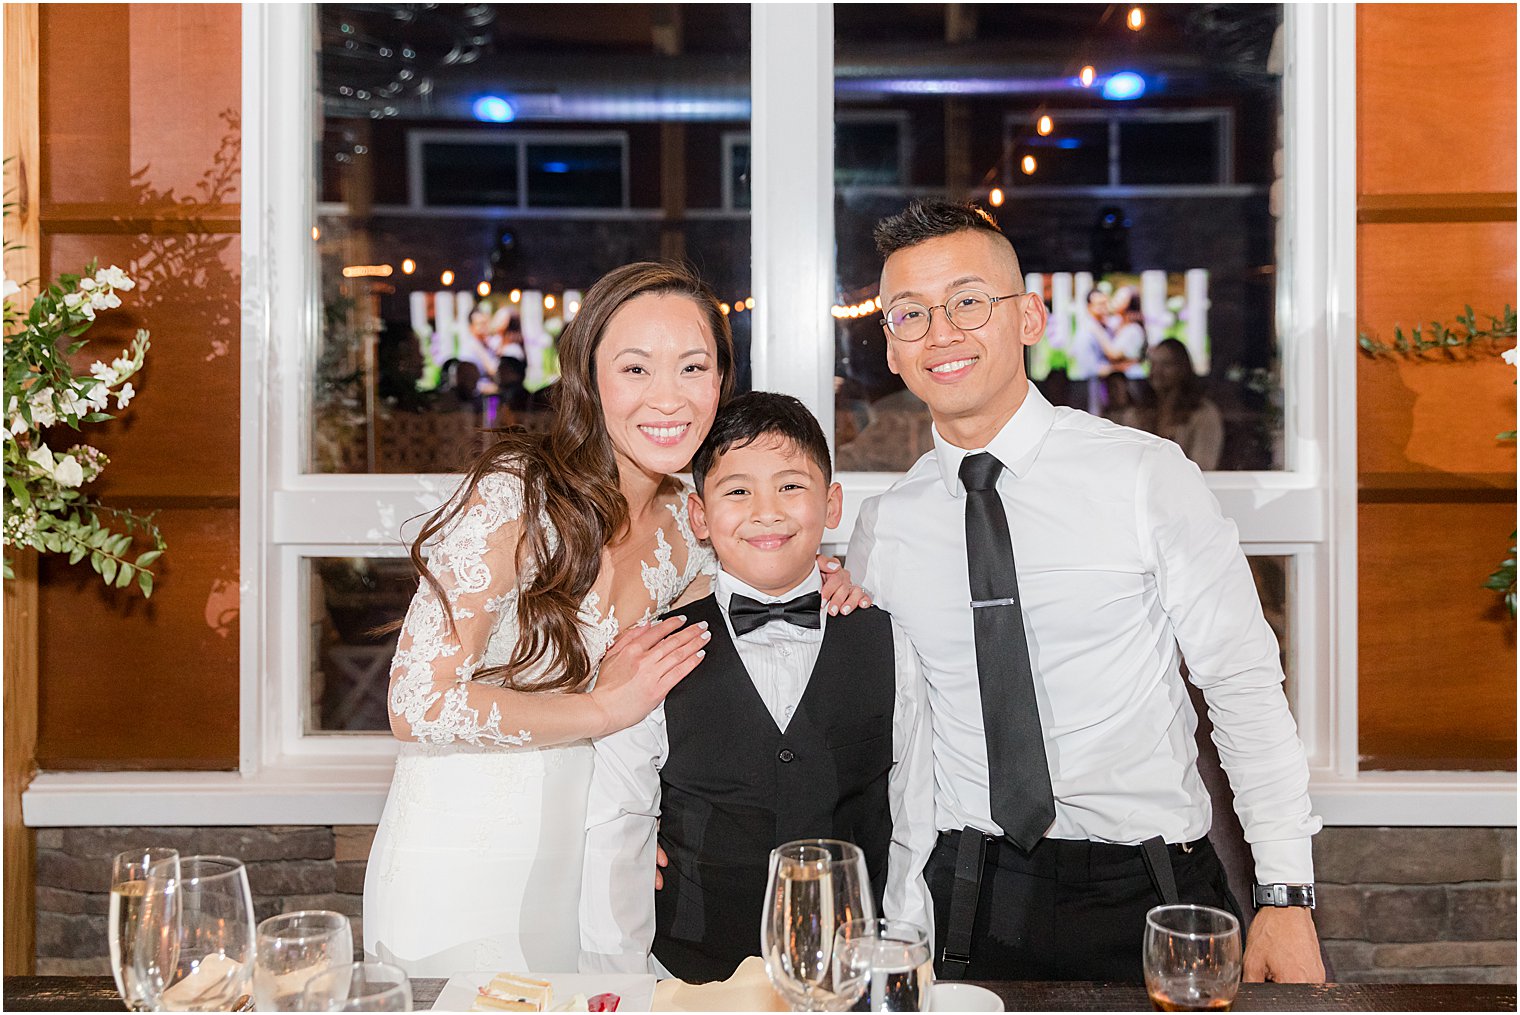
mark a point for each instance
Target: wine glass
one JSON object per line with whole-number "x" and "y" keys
{"x": 129, "y": 872}
{"x": 1191, "y": 958}
{"x": 886, "y": 965}
{"x": 814, "y": 886}
{"x": 195, "y": 942}
{"x": 359, "y": 986}
{"x": 292, "y": 948}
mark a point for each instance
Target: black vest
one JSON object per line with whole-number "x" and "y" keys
{"x": 734, "y": 786}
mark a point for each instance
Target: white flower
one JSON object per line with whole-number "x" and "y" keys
{"x": 97, "y": 397}
{"x": 87, "y": 284}
{"x": 88, "y": 310}
{"x": 1512, "y": 356}
{"x": 123, "y": 366}
{"x": 124, "y": 395}
{"x": 114, "y": 277}
{"x": 73, "y": 406}
{"x": 72, "y": 300}
{"x": 41, "y": 457}
{"x": 68, "y": 472}
{"x": 104, "y": 374}
{"x": 44, "y": 413}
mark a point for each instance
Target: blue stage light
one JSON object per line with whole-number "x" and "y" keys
{"x": 1123, "y": 86}
{"x": 493, "y": 109}
{"x": 556, "y": 167}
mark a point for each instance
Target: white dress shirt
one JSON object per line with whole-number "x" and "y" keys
{"x": 622, "y": 815}
{"x": 1125, "y": 567}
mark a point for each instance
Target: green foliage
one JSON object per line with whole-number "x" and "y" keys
{"x": 45, "y": 507}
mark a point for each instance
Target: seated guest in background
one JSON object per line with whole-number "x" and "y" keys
{"x": 1067, "y": 790}
{"x": 1178, "y": 409}
{"x": 795, "y": 725}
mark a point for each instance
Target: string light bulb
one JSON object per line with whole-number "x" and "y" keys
{"x": 408, "y": 266}
{"x": 724, "y": 307}
{"x": 1136, "y": 19}
{"x": 1045, "y": 126}
{"x": 1028, "y": 165}
{"x": 548, "y": 302}
{"x": 996, "y": 197}
{"x": 447, "y": 278}
{"x": 749, "y": 303}
{"x": 515, "y": 295}
{"x": 1087, "y": 76}
{"x": 484, "y": 289}
{"x": 316, "y": 233}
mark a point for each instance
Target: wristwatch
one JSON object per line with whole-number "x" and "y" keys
{"x": 1283, "y": 895}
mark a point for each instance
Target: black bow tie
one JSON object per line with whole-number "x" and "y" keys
{"x": 748, "y": 614}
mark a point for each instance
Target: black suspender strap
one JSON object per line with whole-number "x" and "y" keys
{"x": 964, "y": 895}
{"x": 1158, "y": 864}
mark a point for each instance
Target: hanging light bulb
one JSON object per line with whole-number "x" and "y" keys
{"x": 548, "y": 302}
{"x": 1136, "y": 19}
{"x": 1027, "y": 164}
{"x": 447, "y": 278}
{"x": 515, "y": 295}
{"x": 1087, "y": 76}
{"x": 1045, "y": 126}
{"x": 996, "y": 197}
{"x": 484, "y": 289}
{"x": 408, "y": 266}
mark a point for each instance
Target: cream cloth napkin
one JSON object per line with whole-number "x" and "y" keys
{"x": 749, "y": 989}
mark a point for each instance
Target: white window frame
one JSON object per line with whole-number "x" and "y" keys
{"x": 1307, "y": 512}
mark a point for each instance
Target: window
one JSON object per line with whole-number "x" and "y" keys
{"x": 521, "y": 169}
{"x": 1086, "y": 148}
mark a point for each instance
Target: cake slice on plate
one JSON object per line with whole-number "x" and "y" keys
{"x": 511, "y": 992}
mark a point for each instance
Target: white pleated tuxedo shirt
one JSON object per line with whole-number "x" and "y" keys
{"x": 622, "y": 814}
{"x": 1126, "y": 567}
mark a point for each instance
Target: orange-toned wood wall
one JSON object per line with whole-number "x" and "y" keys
{"x": 139, "y": 166}
{"x": 1436, "y": 231}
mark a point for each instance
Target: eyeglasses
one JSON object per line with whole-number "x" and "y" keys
{"x": 967, "y": 309}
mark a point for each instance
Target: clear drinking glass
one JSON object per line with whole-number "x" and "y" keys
{"x": 292, "y": 948}
{"x": 885, "y": 964}
{"x": 359, "y": 986}
{"x": 1192, "y": 958}
{"x": 129, "y": 872}
{"x": 195, "y": 942}
{"x": 815, "y": 885}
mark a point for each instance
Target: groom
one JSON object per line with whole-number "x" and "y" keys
{"x": 1053, "y": 571}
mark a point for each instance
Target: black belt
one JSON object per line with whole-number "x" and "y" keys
{"x": 971, "y": 858}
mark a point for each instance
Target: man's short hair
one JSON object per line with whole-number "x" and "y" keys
{"x": 927, "y": 220}
{"x": 758, "y": 414}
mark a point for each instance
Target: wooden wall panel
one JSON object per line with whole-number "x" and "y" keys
{"x": 1436, "y": 203}
{"x": 140, "y": 163}
{"x": 180, "y": 436}
{"x": 1430, "y": 414}
{"x": 128, "y": 683}
{"x": 1437, "y": 687}
{"x": 1435, "y": 98}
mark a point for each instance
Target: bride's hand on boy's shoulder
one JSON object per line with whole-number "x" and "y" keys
{"x": 642, "y": 666}
{"x": 840, "y": 594}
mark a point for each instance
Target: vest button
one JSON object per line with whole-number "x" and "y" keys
{"x": 786, "y": 755}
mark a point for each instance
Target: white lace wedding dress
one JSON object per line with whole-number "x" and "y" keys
{"x": 476, "y": 864}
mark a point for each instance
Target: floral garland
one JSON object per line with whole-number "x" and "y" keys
{"x": 45, "y": 509}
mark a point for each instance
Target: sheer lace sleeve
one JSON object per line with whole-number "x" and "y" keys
{"x": 434, "y": 697}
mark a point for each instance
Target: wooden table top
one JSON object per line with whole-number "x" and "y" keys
{"x": 98, "y": 993}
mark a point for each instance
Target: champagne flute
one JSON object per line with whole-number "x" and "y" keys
{"x": 195, "y": 942}
{"x": 359, "y": 986}
{"x": 1191, "y": 958}
{"x": 886, "y": 964}
{"x": 292, "y": 948}
{"x": 814, "y": 886}
{"x": 129, "y": 872}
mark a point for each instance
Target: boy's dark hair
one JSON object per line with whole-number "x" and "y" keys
{"x": 757, "y": 414}
{"x": 926, "y": 220}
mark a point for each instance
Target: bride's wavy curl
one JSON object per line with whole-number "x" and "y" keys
{"x": 570, "y": 478}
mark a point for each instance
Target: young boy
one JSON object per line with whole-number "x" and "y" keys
{"x": 796, "y": 725}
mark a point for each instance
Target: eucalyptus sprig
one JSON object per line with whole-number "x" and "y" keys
{"x": 45, "y": 507}
{"x": 1438, "y": 337}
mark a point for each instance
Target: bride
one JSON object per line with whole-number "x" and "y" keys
{"x": 529, "y": 634}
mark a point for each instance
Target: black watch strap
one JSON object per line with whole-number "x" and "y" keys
{"x": 1283, "y": 895}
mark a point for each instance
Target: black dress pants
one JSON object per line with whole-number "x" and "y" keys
{"x": 1068, "y": 910}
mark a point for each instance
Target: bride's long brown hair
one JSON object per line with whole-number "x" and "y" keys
{"x": 570, "y": 477}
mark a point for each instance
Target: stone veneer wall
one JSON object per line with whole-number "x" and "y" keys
{"x": 1396, "y": 904}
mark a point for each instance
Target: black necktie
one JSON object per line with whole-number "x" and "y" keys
{"x": 1022, "y": 803}
{"x": 748, "y": 614}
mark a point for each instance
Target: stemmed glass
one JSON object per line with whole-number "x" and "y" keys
{"x": 1191, "y": 958}
{"x": 195, "y": 942}
{"x": 292, "y": 948}
{"x": 129, "y": 873}
{"x": 359, "y": 986}
{"x": 885, "y": 964}
{"x": 814, "y": 886}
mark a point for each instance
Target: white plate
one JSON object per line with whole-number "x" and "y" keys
{"x": 963, "y": 997}
{"x": 635, "y": 989}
